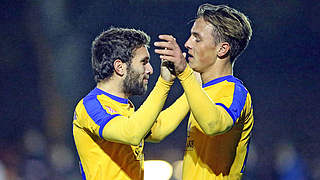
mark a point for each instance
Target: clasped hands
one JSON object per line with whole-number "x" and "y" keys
{"x": 169, "y": 51}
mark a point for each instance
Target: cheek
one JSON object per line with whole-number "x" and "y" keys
{"x": 206, "y": 54}
{"x": 200, "y": 50}
{"x": 139, "y": 69}
{"x": 200, "y": 54}
{"x": 141, "y": 72}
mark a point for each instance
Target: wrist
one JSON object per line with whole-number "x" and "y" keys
{"x": 165, "y": 81}
{"x": 182, "y": 69}
{"x": 185, "y": 73}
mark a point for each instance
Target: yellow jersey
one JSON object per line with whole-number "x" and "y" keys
{"x": 222, "y": 156}
{"x": 101, "y": 158}
{"x": 219, "y": 126}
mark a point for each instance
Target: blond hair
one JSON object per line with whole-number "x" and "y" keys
{"x": 229, "y": 25}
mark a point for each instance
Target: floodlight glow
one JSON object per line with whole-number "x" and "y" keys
{"x": 157, "y": 170}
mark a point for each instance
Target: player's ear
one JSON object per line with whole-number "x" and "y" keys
{"x": 119, "y": 67}
{"x": 223, "y": 50}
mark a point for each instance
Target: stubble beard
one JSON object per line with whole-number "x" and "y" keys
{"x": 133, "y": 83}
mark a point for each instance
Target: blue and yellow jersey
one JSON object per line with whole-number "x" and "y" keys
{"x": 100, "y": 158}
{"x": 219, "y": 126}
{"x": 221, "y": 155}
{"x": 105, "y": 129}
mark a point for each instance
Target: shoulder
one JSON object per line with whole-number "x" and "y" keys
{"x": 238, "y": 84}
{"x": 228, "y": 86}
{"x": 240, "y": 92}
{"x": 93, "y": 103}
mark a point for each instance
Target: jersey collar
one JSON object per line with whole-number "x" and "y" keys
{"x": 116, "y": 98}
{"x": 217, "y": 80}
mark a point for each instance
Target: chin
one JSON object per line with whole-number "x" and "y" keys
{"x": 145, "y": 85}
{"x": 192, "y": 66}
{"x": 196, "y": 69}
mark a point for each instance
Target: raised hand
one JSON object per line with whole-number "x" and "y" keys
{"x": 170, "y": 51}
{"x": 166, "y": 71}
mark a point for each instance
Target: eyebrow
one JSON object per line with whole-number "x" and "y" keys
{"x": 196, "y": 34}
{"x": 145, "y": 59}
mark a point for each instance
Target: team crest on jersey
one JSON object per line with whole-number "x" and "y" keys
{"x": 110, "y": 109}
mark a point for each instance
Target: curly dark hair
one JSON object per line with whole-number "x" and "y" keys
{"x": 230, "y": 25}
{"x": 115, "y": 43}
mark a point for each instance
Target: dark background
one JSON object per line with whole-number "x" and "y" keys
{"x": 45, "y": 70}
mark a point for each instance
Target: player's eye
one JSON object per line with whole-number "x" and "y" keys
{"x": 196, "y": 39}
{"x": 144, "y": 62}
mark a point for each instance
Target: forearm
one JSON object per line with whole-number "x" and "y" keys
{"x": 169, "y": 119}
{"x": 133, "y": 129}
{"x": 212, "y": 119}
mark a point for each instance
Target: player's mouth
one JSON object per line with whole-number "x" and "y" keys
{"x": 190, "y": 56}
{"x": 146, "y": 80}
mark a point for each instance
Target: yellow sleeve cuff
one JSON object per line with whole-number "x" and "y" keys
{"x": 164, "y": 82}
{"x": 186, "y": 73}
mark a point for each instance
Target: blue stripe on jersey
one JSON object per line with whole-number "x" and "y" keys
{"x": 215, "y": 81}
{"x": 245, "y": 159}
{"x": 228, "y": 110}
{"x": 116, "y": 98}
{"x": 82, "y": 172}
{"x": 105, "y": 122}
{"x": 96, "y": 111}
{"x": 239, "y": 97}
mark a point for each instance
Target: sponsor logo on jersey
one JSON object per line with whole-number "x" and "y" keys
{"x": 110, "y": 109}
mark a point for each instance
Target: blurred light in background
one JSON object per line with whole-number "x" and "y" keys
{"x": 34, "y": 143}
{"x": 316, "y": 168}
{"x": 2, "y": 171}
{"x": 36, "y": 169}
{"x": 157, "y": 170}
{"x": 177, "y": 169}
{"x": 61, "y": 158}
{"x": 288, "y": 163}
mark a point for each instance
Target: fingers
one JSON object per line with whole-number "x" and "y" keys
{"x": 164, "y": 52}
{"x": 168, "y": 55}
{"x": 164, "y": 44}
{"x": 168, "y": 38}
{"x": 169, "y": 46}
{"x": 169, "y": 42}
{"x": 169, "y": 50}
{"x": 168, "y": 58}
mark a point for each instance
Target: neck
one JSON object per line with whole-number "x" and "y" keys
{"x": 219, "y": 69}
{"x": 113, "y": 86}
